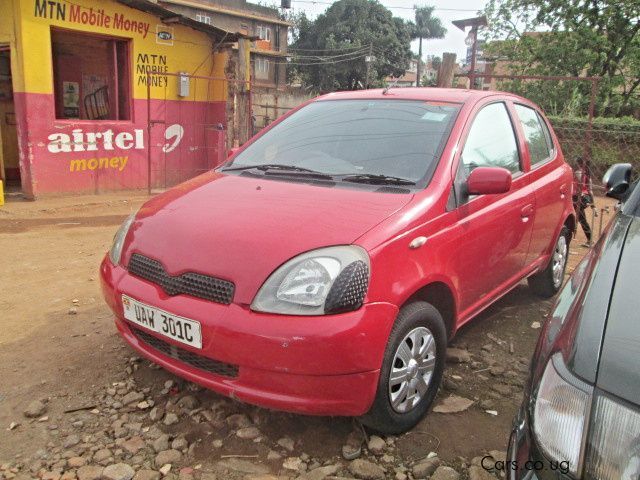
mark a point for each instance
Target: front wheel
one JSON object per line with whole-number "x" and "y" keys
{"x": 547, "y": 282}
{"x": 411, "y": 370}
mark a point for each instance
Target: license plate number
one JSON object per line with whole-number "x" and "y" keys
{"x": 180, "y": 329}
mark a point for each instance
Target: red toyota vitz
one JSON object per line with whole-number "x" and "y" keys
{"x": 323, "y": 269}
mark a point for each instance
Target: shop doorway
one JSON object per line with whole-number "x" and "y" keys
{"x": 9, "y": 156}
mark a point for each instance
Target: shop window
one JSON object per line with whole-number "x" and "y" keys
{"x": 203, "y": 18}
{"x": 92, "y": 77}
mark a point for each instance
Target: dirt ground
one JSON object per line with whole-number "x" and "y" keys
{"x": 58, "y": 345}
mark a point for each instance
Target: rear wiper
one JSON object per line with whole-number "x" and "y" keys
{"x": 377, "y": 179}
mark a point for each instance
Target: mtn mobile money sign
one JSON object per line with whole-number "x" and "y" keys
{"x": 69, "y": 12}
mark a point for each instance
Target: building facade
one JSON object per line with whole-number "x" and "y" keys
{"x": 104, "y": 95}
{"x": 409, "y": 79}
{"x": 269, "y": 33}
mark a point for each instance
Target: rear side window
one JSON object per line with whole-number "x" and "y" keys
{"x": 536, "y": 134}
{"x": 491, "y": 141}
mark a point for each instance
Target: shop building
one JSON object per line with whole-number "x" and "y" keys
{"x": 269, "y": 33}
{"x": 100, "y": 95}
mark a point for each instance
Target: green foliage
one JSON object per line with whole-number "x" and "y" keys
{"x": 575, "y": 38}
{"x": 300, "y": 24}
{"x": 427, "y": 25}
{"x": 330, "y": 51}
{"x": 613, "y": 140}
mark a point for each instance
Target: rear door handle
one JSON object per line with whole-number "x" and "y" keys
{"x": 526, "y": 212}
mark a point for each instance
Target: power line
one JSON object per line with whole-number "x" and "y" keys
{"x": 325, "y": 57}
{"x": 337, "y": 49}
{"x": 443, "y": 9}
{"x": 330, "y": 62}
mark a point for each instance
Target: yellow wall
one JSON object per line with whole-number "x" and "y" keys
{"x": 191, "y": 51}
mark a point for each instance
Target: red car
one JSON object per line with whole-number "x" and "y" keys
{"x": 324, "y": 267}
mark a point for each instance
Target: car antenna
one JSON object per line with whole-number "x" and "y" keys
{"x": 386, "y": 89}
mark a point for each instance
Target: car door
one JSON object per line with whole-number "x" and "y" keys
{"x": 493, "y": 231}
{"x": 548, "y": 180}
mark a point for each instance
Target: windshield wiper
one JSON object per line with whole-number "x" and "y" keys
{"x": 279, "y": 169}
{"x": 375, "y": 179}
{"x": 271, "y": 166}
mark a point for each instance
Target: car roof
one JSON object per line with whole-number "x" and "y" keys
{"x": 454, "y": 95}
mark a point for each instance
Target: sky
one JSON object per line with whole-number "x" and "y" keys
{"x": 445, "y": 10}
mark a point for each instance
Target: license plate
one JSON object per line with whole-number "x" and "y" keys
{"x": 176, "y": 328}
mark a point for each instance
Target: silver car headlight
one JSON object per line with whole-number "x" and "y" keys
{"x": 118, "y": 240}
{"x": 323, "y": 281}
{"x": 614, "y": 446}
{"x": 561, "y": 413}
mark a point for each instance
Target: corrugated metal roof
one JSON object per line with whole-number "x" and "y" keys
{"x": 169, "y": 17}
{"x": 227, "y": 11}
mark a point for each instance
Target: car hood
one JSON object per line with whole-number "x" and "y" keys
{"x": 242, "y": 228}
{"x": 619, "y": 371}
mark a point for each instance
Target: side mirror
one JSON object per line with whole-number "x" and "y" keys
{"x": 617, "y": 180}
{"x": 488, "y": 180}
{"x": 232, "y": 151}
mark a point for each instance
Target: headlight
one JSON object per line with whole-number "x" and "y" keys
{"x": 118, "y": 240}
{"x": 560, "y": 414}
{"x": 614, "y": 444}
{"x": 324, "y": 281}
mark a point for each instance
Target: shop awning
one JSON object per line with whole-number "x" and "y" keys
{"x": 169, "y": 17}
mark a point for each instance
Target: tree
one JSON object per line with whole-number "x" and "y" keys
{"x": 329, "y": 53}
{"x": 576, "y": 38}
{"x": 436, "y": 62}
{"x": 427, "y": 26}
{"x": 300, "y": 24}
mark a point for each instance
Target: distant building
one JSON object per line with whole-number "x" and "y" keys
{"x": 429, "y": 73}
{"x": 269, "y": 49}
{"x": 408, "y": 79}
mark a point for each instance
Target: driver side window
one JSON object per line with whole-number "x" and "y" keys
{"x": 491, "y": 141}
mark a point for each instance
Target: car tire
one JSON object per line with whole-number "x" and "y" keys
{"x": 418, "y": 342}
{"x": 548, "y": 282}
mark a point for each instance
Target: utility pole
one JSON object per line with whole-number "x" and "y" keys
{"x": 472, "y": 41}
{"x": 419, "y": 69}
{"x": 368, "y": 60}
{"x": 474, "y": 48}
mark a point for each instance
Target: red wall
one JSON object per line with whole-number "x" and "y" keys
{"x": 51, "y": 171}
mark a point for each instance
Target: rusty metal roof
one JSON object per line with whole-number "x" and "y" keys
{"x": 170, "y": 18}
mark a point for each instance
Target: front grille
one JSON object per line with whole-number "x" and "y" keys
{"x": 197, "y": 361}
{"x": 195, "y": 284}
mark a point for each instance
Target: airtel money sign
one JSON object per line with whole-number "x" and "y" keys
{"x": 106, "y": 141}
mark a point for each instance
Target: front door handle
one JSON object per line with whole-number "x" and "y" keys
{"x": 526, "y": 212}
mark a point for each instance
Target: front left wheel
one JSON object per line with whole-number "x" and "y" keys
{"x": 411, "y": 370}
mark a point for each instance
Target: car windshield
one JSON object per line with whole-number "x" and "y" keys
{"x": 355, "y": 140}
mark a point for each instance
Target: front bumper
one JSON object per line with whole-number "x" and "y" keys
{"x": 325, "y": 365}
